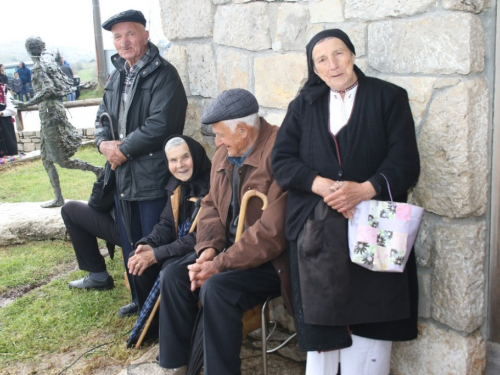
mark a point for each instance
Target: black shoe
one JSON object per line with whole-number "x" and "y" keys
{"x": 89, "y": 283}
{"x": 128, "y": 310}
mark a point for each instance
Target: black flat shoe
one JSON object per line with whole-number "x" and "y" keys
{"x": 128, "y": 310}
{"x": 89, "y": 283}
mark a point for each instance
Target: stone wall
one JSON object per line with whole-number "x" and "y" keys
{"x": 30, "y": 141}
{"x": 441, "y": 52}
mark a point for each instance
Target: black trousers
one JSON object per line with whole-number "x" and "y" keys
{"x": 144, "y": 216}
{"x": 8, "y": 141}
{"x": 225, "y": 297}
{"x": 85, "y": 225}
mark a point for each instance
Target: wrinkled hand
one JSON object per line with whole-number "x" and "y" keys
{"x": 347, "y": 195}
{"x": 142, "y": 259}
{"x": 204, "y": 267}
{"x": 112, "y": 153}
{"x": 343, "y": 196}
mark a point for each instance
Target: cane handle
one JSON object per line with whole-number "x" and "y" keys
{"x": 243, "y": 210}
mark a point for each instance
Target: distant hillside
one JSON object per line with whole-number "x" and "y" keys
{"x": 13, "y": 52}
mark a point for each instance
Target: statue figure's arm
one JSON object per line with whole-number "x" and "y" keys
{"x": 45, "y": 90}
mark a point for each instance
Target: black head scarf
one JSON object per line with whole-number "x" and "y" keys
{"x": 314, "y": 85}
{"x": 199, "y": 182}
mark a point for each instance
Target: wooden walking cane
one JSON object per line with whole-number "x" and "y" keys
{"x": 157, "y": 304}
{"x": 251, "y": 318}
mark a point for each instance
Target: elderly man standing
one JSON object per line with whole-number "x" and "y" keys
{"x": 147, "y": 103}
{"x": 228, "y": 278}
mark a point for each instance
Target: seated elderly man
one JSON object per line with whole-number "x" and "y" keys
{"x": 228, "y": 278}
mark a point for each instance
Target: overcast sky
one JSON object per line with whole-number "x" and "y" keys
{"x": 70, "y": 23}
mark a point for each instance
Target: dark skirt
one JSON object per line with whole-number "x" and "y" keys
{"x": 313, "y": 337}
{"x": 8, "y": 141}
{"x": 331, "y": 293}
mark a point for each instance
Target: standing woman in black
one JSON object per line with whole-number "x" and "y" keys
{"x": 8, "y": 141}
{"x": 341, "y": 134}
{"x": 3, "y": 77}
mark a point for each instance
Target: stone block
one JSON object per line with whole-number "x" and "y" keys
{"x": 178, "y": 57}
{"x": 278, "y": 78}
{"x": 326, "y": 11}
{"x": 29, "y": 147}
{"x": 278, "y": 313}
{"x": 192, "y": 127}
{"x": 89, "y": 131}
{"x": 475, "y": 6}
{"x": 425, "y": 241}
{"x": 453, "y": 147}
{"x": 439, "y": 351}
{"x": 180, "y": 21}
{"x": 38, "y": 146}
{"x": 446, "y": 82}
{"x": 375, "y": 9}
{"x": 233, "y": 69}
{"x": 441, "y": 43}
{"x": 362, "y": 63}
{"x": 356, "y": 32}
{"x": 201, "y": 70}
{"x": 273, "y": 116}
{"x": 419, "y": 91}
{"x": 458, "y": 280}
{"x": 30, "y": 222}
{"x": 289, "y": 26}
{"x": 424, "y": 294}
{"x": 244, "y": 26}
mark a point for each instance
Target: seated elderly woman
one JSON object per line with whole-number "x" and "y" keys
{"x": 190, "y": 168}
{"x": 340, "y": 137}
{"x": 169, "y": 240}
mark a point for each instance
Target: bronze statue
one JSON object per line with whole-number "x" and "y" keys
{"x": 59, "y": 139}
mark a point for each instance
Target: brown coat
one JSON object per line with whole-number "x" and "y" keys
{"x": 264, "y": 237}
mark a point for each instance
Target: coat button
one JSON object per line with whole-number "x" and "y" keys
{"x": 121, "y": 135}
{"x": 340, "y": 173}
{"x": 150, "y": 154}
{"x": 280, "y": 271}
{"x": 157, "y": 63}
{"x": 122, "y": 195}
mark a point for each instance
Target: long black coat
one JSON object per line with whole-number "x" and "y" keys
{"x": 379, "y": 138}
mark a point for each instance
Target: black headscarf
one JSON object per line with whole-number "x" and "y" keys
{"x": 314, "y": 85}
{"x": 199, "y": 182}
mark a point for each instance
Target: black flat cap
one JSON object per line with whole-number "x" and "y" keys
{"x": 126, "y": 16}
{"x": 231, "y": 104}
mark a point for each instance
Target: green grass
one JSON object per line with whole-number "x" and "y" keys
{"x": 53, "y": 317}
{"x": 87, "y": 73}
{"x": 30, "y": 265}
{"x": 49, "y": 325}
{"x": 91, "y": 94}
{"x": 28, "y": 182}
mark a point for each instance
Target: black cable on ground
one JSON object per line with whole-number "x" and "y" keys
{"x": 91, "y": 350}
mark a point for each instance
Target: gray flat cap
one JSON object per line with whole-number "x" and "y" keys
{"x": 126, "y": 16}
{"x": 231, "y": 104}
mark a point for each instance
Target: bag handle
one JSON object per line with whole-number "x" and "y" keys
{"x": 388, "y": 188}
